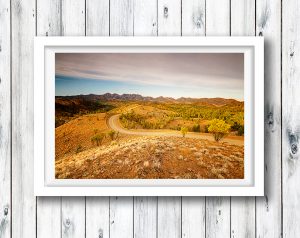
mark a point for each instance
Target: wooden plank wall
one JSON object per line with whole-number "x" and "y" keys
{"x": 274, "y": 215}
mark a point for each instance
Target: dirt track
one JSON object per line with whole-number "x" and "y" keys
{"x": 114, "y": 123}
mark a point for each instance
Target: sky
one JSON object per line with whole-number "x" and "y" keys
{"x": 195, "y": 75}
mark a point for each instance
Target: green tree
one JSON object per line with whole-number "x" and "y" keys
{"x": 98, "y": 139}
{"x": 218, "y": 128}
{"x": 183, "y": 131}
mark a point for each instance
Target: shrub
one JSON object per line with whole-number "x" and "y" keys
{"x": 113, "y": 135}
{"x": 183, "y": 131}
{"x": 78, "y": 149}
{"x": 240, "y": 131}
{"x": 95, "y": 131}
{"x": 218, "y": 128}
{"x": 98, "y": 139}
{"x": 196, "y": 128}
{"x": 206, "y": 128}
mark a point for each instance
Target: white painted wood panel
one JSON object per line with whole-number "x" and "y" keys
{"x": 290, "y": 117}
{"x": 97, "y": 208}
{"x": 48, "y": 222}
{"x": 121, "y": 208}
{"x": 121, "y": 217}
{"x": 48, "y": 23}
{"x": 169, "y": 17}
{"x": 145, "y": 217}
{"x": 268, "y": 208}
{"x": 48, "y": 19}
{"x": 73, "y": 209}
{"x": 218, "y": 208}
{"x": 130, "y": 218}
{"x": 242, "y": 18}
{"x": 169, "y": 217}
{"x": 193, "y": 208}
{"x": 242, "y": 208}
{"x": 193, "y": 217}
{"x": 97, "y": 17}
{"x": 23, "y": 200}
{"x": 73, "y": 217}
{"x": 169, "y": 208}
{"x": 145, "y": 17}
{"x": 121, "y": 17}
{"x": 5, "y": 120}
{"x": 193, "y": 17}
{"x": 97, "y": 217}
{"x": 145, "y": 208}
{"x": 73, "y": 17}
{"x": 218, "y": 17}
{"x": 217, "y": 217}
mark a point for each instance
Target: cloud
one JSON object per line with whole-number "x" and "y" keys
{"x": 194, "y": 70}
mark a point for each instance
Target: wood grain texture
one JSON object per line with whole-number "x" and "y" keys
{"x": 268, "y": 208}
{"x": 121, "y": 208}
{"x": 193, "y": 17}
{"x": 121, "y": 17}
{"x": 169, "y": 217}
{"x": 193, "y": 217}
{"x": 73, "y": 209}
{"x": 48, "y": 19}
{"x": 23, "y": 200}
{"x": 97, "y": 17}
{"x": 218, "y": 208}
{"x": 73, "y": 17}
{"x": 121, "y": 217}
{"x": 97, "y": 208}
{"x": 193, "y": 208}
{"x": 169, "y": 17}
{"x": 169, "y": 208}
{"x": 73, "y": 217}
{"x": 145, "y": 217}
{"x": 242, "y": 208}
{"x": 242, "y": 16}
{"x": 48, "y": 223}
{"x": 145, "y": 208}
{"x": 5, "y": 120}
{"x": 141, "y": 217}
{"x": 97, "y": 217}
{"x": 217, "y": 217}
{"x": 145, "y": 17}
{"x": 48, "y": 208}
{"x": 218, "y": 17}
{"x": 290, "y": 117}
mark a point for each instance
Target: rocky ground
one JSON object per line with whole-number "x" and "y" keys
{"x": 155, "y": 158}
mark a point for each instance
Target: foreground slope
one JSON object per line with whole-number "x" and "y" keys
{"x": 155, "y": 157}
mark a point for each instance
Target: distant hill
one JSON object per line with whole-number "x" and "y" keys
{"x": 136, "y": 97}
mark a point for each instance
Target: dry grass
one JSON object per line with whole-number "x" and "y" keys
{"x": 154, "y": 158}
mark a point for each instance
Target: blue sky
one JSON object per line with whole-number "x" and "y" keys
{"x": 168, "y": 75}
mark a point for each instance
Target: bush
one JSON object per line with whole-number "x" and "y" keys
{"x": 183, "y": 131}
{"x": 78, "y": 149}
{"x": 113, "y": 135}
{"x": 240, "y": 131}
{"x": 98, "y": 139}
{"x": 218, "y": 128}
{"x": 196, "y": 128}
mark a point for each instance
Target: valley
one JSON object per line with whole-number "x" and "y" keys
{"x": 131, "y": 136}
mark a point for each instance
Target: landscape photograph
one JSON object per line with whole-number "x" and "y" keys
{"x": 149, "y": 115}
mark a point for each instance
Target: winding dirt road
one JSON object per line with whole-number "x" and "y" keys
{"x": 114, "y": 123}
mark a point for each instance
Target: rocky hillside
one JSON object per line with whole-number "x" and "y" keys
{"x": 155, "y": 157}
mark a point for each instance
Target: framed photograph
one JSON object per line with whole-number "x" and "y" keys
{"x": 149, "y": 116}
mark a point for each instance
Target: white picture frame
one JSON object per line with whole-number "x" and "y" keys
{"x": 45, "y": 183}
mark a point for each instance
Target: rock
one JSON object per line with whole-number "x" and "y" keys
{"x": 146, "y": 164}
{"x": 180, "y": 157}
